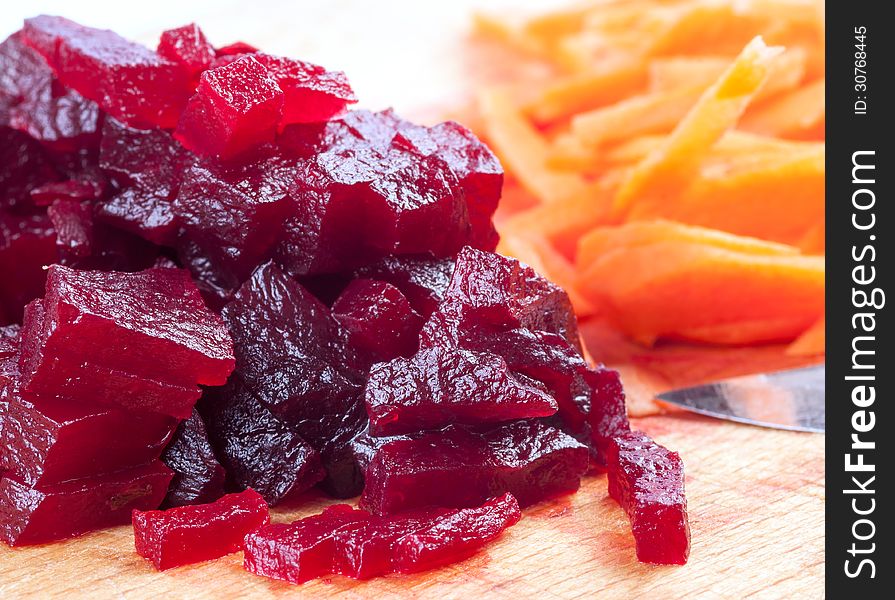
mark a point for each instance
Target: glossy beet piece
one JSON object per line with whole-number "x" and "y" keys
{"x": 258, "y": 450}
{"x": 47, "y": 194}
{"x": 38, "y": 105}
{"x": 73, "y": 222}
{"x": 529, "y": 459}
{"x": 441, "y": 386}
{"x": 303, "y": 550}
{"x": 311, "y": 93}
{"x": 198, "y": 476}
{"x": 349, "y": 460}
{"x": 233, "y": 216}
{"x": 43, "y": 514}
{"x": 127, "y": 80}
{"x": 235, "y": 108}
{"x": 423, "y": 280}
{"x": 157, "y": 319}
{"x": 147, "y": 165}
{"x": 293, "y": 356}
{"x": 27, "y": 245}
{"x": 379, "y": 320}
{"x": 188, "y": 47}
{"x": 190, "y": 534}
{"x": 24, "y": 165}
{"x": 455, "y": 536}
{"x": 647, "y": 480}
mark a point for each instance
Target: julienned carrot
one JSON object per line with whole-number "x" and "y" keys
{"x": 799, "y": 115}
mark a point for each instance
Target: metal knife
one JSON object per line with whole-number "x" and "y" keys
{"x": 793, "y": 400}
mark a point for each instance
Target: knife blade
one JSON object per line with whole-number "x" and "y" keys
{"x": 792, "y": 400}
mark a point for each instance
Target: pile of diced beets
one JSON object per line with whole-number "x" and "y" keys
{"x": 220, "y": 287}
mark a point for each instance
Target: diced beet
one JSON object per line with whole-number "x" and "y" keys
{"x": 38, "y": 105}
{"x": 235, "y": 108}
{"x": 294, "y": 358}
{"x": 234, "y": 216}
{"x": 441, "y": 386}
{"x": 198, "y": 476}
{"x": 9, "y": 343}
{"x": 349, "y": 460}
{"x": 303, "y": 550}
{"x": 45, "y": 195}
{"x": 456, "y": 536}
{"x": 529, "y": 459}
{"x": 27, "y": 245}
{"x": 359, "y": 545}
{"x": 379, "y": 320}
{"x": 422, "y": 279}
{"x": 148, "y": 166}
{"x": 156, "y": 318}
{"x": 190, "y": 534}
{"x": 236, "y": 48}
{"x": 127, "y": 80}
{"x": 258, "y": 450}
{"x": 311, "y": 93}
{"x": 73, "y": 222}
{"x": 647, "y": 480}
{"x": 607, "y": 416}
{"x": 24, "y": 165}
{"x": 188, "y": 47}
{"x": 35, "y": 515}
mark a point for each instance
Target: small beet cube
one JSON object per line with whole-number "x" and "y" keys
{"x": 258, "y": 450}
{"x": 156, "y": 318}
{"x": 235, "y": 108}
{"x": 441, "y": 386}
{"x": 311, "y": 93}
{"x": 34, "y": 515}
{"x": 38, "y": 105}
{"x": 27, "y": 245}
{"x": 24, "y": 165}
{"x": 379, "y": 320}
{"x": 303, "y": 550}
{"x": 531, "y": 460}
{"x": 647, "y": 480}
{"x": 188, "y": 47}
{"x": 73, "y": 222}
{"x": 127, "y": 80}
{"x": 422, "y": 279}
{"x": 198, "y": 476}
{"x": 455, "y": 536}
{"x": 190, "y": 534}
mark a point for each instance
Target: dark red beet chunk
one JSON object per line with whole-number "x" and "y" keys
{"x": 303, "y": 550}
{"x": 379, "y": 320}
{"x": 531, "y": 460}
{"x": 311, "y": 93}
{"x": 43, "y": 514}
{"x": 235, "y": 108}
{"x": 422, "y": 279}
{"x": 258, "y": 450}
{"x": 191, "y": 534}
{"x": 27, "y": 245}
{"x": 359, "y": 545}
{"x": 188, "y": 47}
{"x": 647, "y": 480}
{"x": 127, "y": 80}
{"x": 441, "y": 386}
{"x": 198, "y": 476}
{"x": 45, "y": 195}
{"x": 23, "y": 166}
{"x": 161, "y": 330}
{"x": 294, "y": 358}
{"x": 73, "y": 222}
{"x": 38, "y": 105}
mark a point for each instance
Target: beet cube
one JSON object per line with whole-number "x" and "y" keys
{"x": 191, "y": 534}
{"x": 33, "y": 515}
{"x": 235, "y": 108}
{"x": 379, "y": 320}
{"x": 455, "y": 536}
{"x": 156, "y": 318}
{"x": 24, "y": 165}
{"x": 311, "y": 93}
{"x": 198, "y": 476}
{"x": 441, "y": 386}
{"x": 127, "y": 80}
{"x": 647, "y": 480}
{"x": 27, "y": 245}
{"x": 258, "y": 450}
{"x": 235, "y": 49}
{"x": 529, "y": 459}
{"x": 422, "y": 279}
{"x": 73, "y": 222}
{"x": 188, "y": 47}
{"x": 303, "y": 550}
{"x": 38, "y": 105}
